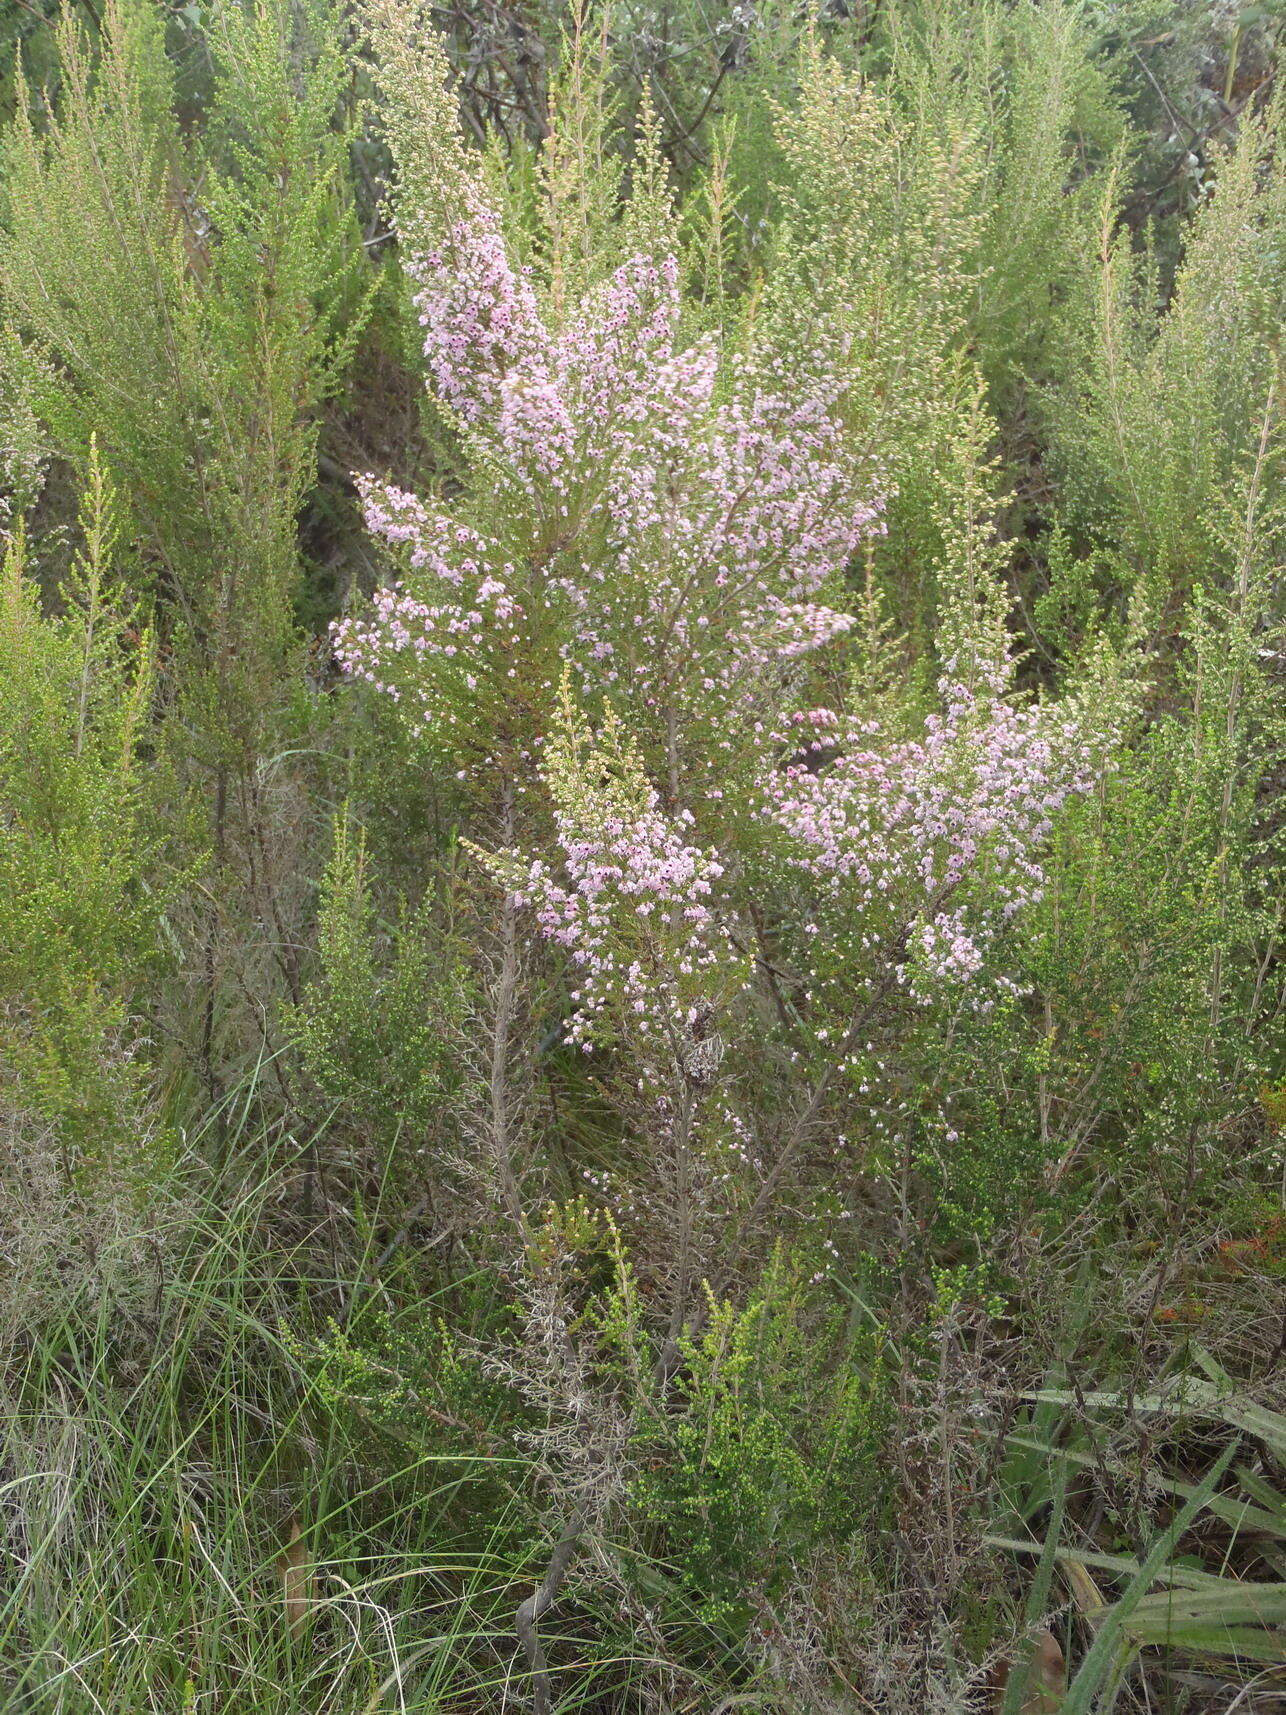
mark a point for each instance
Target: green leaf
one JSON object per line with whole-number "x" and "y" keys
{"x": 1112, "y": 1632}
{"x": 1237, "y": 1621}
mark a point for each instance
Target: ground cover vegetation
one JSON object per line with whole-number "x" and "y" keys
{"x": 642, "y": 762}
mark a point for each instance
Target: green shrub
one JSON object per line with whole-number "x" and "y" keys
{"x": 384, "y": 1023}
{"x": 776, "y": 1459}
{"x": 196, "y": 306}
{"x": 85, "y": 1163}
{"x": 77, "y": 848}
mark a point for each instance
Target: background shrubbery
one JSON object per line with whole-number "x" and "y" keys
{"x": 641, "y": 832}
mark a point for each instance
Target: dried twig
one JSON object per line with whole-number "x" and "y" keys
{"x": 539, "y": 1603}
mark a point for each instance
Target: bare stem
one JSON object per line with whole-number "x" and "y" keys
{"x": 803, "y": 1125}
{"x": 1235, "y": 689}
{"x": 539, "y": 1603}
{"x": 500, "y": 1095}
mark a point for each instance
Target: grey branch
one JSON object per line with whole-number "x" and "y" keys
{"x": 539, "y": 1603}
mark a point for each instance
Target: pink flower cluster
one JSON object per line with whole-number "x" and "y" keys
{"x": 942, "y": 832}
{"x": 633, "y": 911}
{"x": 479, "y": 316}
{"x": 461, "y": 623}
{"x": 666, "y": 528}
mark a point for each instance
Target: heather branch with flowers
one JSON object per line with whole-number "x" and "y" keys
{"x": 667, "y": 520}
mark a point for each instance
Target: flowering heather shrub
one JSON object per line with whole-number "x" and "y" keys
{"x": 663, "y": 529}
{"x": 663, "y": 519}
{"x": 654, "y": 525}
